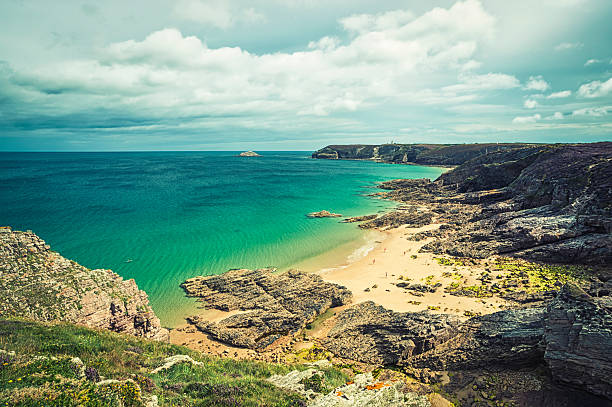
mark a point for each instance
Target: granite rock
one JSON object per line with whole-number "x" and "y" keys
{"x": 541, "y": 202}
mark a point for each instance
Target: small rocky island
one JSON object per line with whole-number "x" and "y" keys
{"x": 249, "y": 154}
{"x": 324, "y": 214}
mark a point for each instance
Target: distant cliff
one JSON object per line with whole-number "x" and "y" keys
{"x": 425, "y": 154}
{"x": 39, "y": 284}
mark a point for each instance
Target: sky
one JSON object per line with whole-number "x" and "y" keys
{"x": 84, "y": 75}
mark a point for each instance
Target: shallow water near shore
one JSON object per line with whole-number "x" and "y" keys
{"x": 163, "y": 217}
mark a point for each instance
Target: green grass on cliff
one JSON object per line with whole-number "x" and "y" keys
{"x": 42, "y": 372}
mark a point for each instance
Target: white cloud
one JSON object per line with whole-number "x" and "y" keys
{"x": 560, "y": 95}
{"x": 568, "y": 45}
{"x": 530, "y": 104}
{"x": 387, "y": 57}
{"x": 490, "y": 81}
{"x": 527, "y": 119}
{"x": 361, "y": 23}
{"x": 595, "y": 89}
{"x": 217, "y": 13}
{"x": 537, "y": 83}
{"x": 593, "y": 111}
{"x": 325, "y": 43}
{"x": 556, "y": 116}
{"x": 592, "y": 62}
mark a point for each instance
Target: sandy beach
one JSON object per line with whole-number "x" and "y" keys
{"x": 396, "y": 259}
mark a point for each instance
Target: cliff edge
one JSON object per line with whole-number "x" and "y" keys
{"x": 39, "y": 284}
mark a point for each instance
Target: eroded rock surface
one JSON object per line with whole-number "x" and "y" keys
{"x": 506, "y": 338}
{"x": 579, "y": 340}
{"x": 272, "y": 305}
{"x": 545, "y": 203}
{"x": 359, "y": 218}
{"x": 571, "y": 335}
{"x": 39, "y": 284}
{"x": 369, "y": 333}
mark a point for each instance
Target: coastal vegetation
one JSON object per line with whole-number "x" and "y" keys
{"x": 60, "y": 364}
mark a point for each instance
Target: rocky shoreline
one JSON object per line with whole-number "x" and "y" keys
{"x": 523, "y": 230}
{"x": 541, "y": 203}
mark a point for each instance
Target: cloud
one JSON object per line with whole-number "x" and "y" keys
{"x": 556, "y": 116}
{"x": 169, "y": 74}
{"x": 537, "y": 83}
{"x": 527, "y": 119}
{"x": 216, "y": 13}
{"x": 593, "y": 111}
{"x": 568, "y": 45}
{"x": 592, "y": 62}
{"x": 530, "y": 104}
{"x": 490, "y": 81}
{"x": 595, "y": 89}
{"x": 560, "y": 95}
{"x": 361, "y": 23}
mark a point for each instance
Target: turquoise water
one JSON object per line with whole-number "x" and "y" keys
{"x": 181, "y": 214}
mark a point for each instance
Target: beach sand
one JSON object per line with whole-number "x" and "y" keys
{"x": 373, "y": 277}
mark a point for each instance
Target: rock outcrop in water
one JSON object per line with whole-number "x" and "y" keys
{"x": 39, "y": 284}
{"x": 359, "y": 218}
{"x": 249, "y": 154}
{"x": 271, "y": 306}
{"x": 324, "y": 214}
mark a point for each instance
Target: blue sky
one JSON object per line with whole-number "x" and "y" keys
{"x": 301, "y": 74}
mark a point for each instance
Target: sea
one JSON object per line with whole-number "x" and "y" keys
{"x": 163, "y": 217}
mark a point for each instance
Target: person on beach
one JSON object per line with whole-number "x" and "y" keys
{"x": 373, "y": 261}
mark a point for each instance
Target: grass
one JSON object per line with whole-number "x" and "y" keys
{"x": 43, "y": 372}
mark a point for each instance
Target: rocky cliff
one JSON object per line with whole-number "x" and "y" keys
{"x": 425, "y": 154}
{"x": 545, "y": 203}
{"x": 39, "y": 284}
